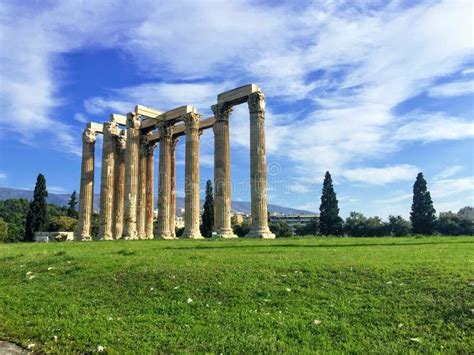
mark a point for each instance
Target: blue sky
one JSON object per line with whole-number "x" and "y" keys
{"x": 373, "y": 91}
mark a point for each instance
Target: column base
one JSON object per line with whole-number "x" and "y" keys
{"x": 130, "y": 237}
{"x": 166, "y": 237}
{"x": 225, "y": 234}
{"x": 260, "y": 233}
{"x": 106, "y": 238}
{"x": 192, "y": 235}
{"x": 82, "y": 238}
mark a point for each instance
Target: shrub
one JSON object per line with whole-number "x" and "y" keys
{"x": 398, "y": 226}
{"x": 281, "y": 229}
{"x": 63, "y": 224}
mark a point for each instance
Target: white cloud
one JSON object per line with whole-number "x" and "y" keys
{"x": 56, "y": 189}
{"x": 80, "y": 117}
{"x": 382, "y": 176}
{"x": 448, "y": 187}
{"x": 352, "y": 63}
{"x": 432, "y": 127}
{"x": 3, "y": 176}
{"x": 452, "y": 89}
{"x": 162, "y": 96}
{"x": 449, "y": 172}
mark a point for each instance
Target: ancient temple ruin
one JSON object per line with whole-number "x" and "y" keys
{"x": 126, "y": 190}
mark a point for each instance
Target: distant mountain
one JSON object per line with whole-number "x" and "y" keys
{"x": 62, "y": 199}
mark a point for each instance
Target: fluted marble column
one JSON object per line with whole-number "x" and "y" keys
{"x": 131, "y": 179}
{"x": 174, "y": 141}
{"x": 191, "y": 187}
{"x": 150, "y": 166}
{"x": 142, "y": 187}
{"x": 107, "y": 181}
{"x": 119, "y": 195}
{"x": 164, "y": 188}
{"x": 258, "y": 168}
{"x": 86, "y": 195}
{"x": 222, "y": 206}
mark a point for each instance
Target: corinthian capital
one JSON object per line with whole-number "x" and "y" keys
{"x": 256, "y": 102}
{"x": 151, "y": 148}
{"x": 191, "y": 121}
{"x": 222, "y": 111}
{"x": 165, "y": 129}
{"x": 121, "y": 140}
{"x": 111, "y": 128}
{"x": 89, "y": 136}
{"x": 133, "y": 120}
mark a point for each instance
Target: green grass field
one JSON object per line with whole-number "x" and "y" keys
{"x": 288, "y": 295}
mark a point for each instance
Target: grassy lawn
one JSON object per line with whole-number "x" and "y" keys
{"x": 288, "y": 295}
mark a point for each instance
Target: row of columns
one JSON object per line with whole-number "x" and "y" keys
{"x": 126, "y": 201}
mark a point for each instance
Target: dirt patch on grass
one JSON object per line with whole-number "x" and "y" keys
{"x": 7, "y": 348}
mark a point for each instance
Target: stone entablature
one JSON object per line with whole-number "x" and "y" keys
{"x": 128, "y": 170}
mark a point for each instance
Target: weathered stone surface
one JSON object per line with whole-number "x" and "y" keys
{"x": 128, "y": 169}
{"x": 174, "y": 141}
{"x": 107, "y": 181}
{"x": 258, "y": 168}
{"x": 147, "y": 112}
{"x": 177, "y": 113}
{"x": 95, "y": 127}
{"x": 238, "y": 95}
{"x": 191, "y": 183}
{"x": 119, "y": 192}
{"x": 222, "y": 208}
{"x": 131, "y": 176}
{"x": 118, "y": 119}
{"x": 149, "y": 215}
{"x": 142, "y": 185}
{"x": 164, "y": 186}
{"x": 86, "y": 195}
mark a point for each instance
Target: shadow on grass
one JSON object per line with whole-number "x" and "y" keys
{"x": 293, "y": 245}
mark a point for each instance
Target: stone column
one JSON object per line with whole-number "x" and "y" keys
{"x": 142, "y": 189}
{"x": 258, "y": 168}
{"x": 119, "y": 198}
{"x": 107, "y": 181}
{"x": 86, "y": 195}
{"x": 191, "y": 184}
{"x": 164, "y": 188}
{"x": 222, "y": 207}
{"x": 150, "y": 167}
{"x": 131, "y": 176}
{"x": 174, "y": 141}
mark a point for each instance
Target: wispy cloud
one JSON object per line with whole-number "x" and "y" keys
{"x": 3, "y": 176}
{"x": 333, "y": 72}
{"x": 449, "y": 172}
{"x": 427, "y": 127}
{"x": 456, "y": 88}
{"x": 382, "y": 176}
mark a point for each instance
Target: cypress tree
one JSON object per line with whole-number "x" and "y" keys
{"x": 208, "y": 213}
{"x": 71, "y": 210}
{"x": 329, "y": 221}
{"x": 38, "y": 211}
{"x": 422, "y": 213}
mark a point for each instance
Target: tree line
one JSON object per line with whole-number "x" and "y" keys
{"x": 422, "y": 221}
{"x": 20, "y": 218}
